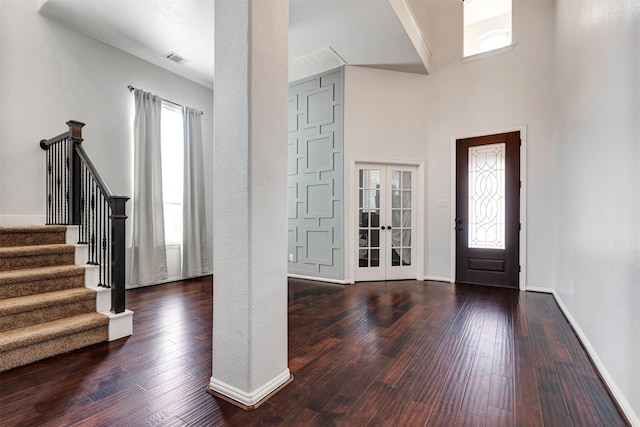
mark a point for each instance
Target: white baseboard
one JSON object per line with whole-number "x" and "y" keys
{"x": 22, "y": 220}
{"x": 626, "y": 408}
{"x": 120, "y": 325}
{"x": 541, "y": 289}
{"x": 252, "y": 399}
{"x": 318, "y": 279}
{"x": 437, "y": 279}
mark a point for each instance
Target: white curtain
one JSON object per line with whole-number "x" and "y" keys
{"x": 149, "y": 260}
{"x": 194, "y": 243}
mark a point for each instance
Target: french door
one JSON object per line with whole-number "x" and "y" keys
{"x": 386, "y": 222}
{"x": 488, "y": 210}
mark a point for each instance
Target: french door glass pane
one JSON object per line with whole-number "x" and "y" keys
{"x": 401, "y": 220}
{"x": 395, "y": 218}
{"x": 486, "y": 196}
{"x": 406, "y": 218}
{"x": 395, "y": 199}
{"x": 369, "y": 218}
{"x": 406, "y": 180}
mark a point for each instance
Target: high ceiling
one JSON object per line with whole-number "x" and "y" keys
{"x": 321, "y": 33}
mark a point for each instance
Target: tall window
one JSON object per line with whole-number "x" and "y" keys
{"x": 172, "y": 142}
{"x": 487, "y": 25}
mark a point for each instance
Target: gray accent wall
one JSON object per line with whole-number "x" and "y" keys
{"x": 315, "y": 177}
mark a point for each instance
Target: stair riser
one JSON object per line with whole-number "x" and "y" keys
{"x": 46, "y": 314}
{"x": 29, "y": 354}
{"x": 28, "y": 239}
{"x": 34, "y": 261}
{"x": 11, "y": 290}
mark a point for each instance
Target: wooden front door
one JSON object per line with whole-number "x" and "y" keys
{"x": 488, "y": 210}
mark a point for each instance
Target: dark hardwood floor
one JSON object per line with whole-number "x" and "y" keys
{"x": 394, "y": 354}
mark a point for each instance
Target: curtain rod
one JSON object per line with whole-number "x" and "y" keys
{"x": 131, "y": 89}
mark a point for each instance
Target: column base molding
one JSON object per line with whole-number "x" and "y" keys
{"x": 248, "y": 401}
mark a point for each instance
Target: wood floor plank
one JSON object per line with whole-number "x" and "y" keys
{"x": 402, "y": 353}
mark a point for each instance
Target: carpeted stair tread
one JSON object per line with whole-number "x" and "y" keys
{"x": 17, "y": 283}
{"x": 32, "y": 235}
{"x": 27, "y": 275}
{"x": 21, "y": 257}
{"x": 35, "y": 309}
{"x": 11, "y": 306}
{"x": 45, "y": 308}
{"x": 35, "y": 334}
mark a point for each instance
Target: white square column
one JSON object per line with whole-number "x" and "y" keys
{"x": 250, "y": 220}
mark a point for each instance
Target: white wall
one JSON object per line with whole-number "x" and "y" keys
{"x": 385, "y": 119}
{"x": 598, "y": 181}
{"x": 398, "y": 116}
{"x": 50, "y": 74}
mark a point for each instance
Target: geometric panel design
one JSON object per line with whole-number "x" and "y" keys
{"x": 292, "y": 157}
{"x": 320, "y": 154}
{"x": 319, "y": 246}
{"x": 315, "y": 177}
{"x": 292, "y": 202}
{"x": 292, "y": 238}
{"x": 320, "y": 107}
{"x": 293, "y": 113}
{"x": 319, "y": 201}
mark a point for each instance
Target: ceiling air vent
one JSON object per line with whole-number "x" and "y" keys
{"x": 314, "y": 63}
{"x": 172, "y": 56}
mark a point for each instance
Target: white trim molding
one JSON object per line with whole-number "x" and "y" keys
{"x": 438, "y": 279}
{"x": 540, "y": 289}
{"x": 318, "y": 279}
{"x": 410, "y": 24}
{"x": 523, "y": 197}
{"x": 249, "y": 400}
{"x": 488, "y": 53}
{"x": 615, "y": 391}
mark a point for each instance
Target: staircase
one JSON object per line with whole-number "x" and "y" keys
{"x": 46, "y": 308}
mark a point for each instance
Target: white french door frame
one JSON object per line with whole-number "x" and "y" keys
{"x": 523, "y": 199}
{"x": 351, "y": 210}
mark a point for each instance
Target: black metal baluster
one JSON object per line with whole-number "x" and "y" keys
{"x": 87, "y": 198}
{"x": 65, "y": 181}
{"x": 82, "y": 175}
{"x": 59, "y": 184}
{"x": 56, "y": 181}
{"x": 49, "y": 192}
{"x": 91, "y": 226}
{"x": 99, "y": 239}
{"x": 103, "y": 257}
{"x": 109, "y": 243}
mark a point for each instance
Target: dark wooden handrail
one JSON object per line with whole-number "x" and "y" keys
{"x": 77, "y": 195}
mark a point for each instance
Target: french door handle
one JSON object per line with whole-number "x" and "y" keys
{"x": 382, "y": 227}
{"x": 458, "y": 226}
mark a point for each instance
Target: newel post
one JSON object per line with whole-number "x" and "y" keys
{"x": 118, "y": 218}
{"x": 75, "y": 171}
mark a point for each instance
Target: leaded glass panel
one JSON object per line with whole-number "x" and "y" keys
{"x": 487, "y": 196}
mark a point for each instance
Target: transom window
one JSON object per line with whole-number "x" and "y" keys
{"x": 487, "y": 25}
